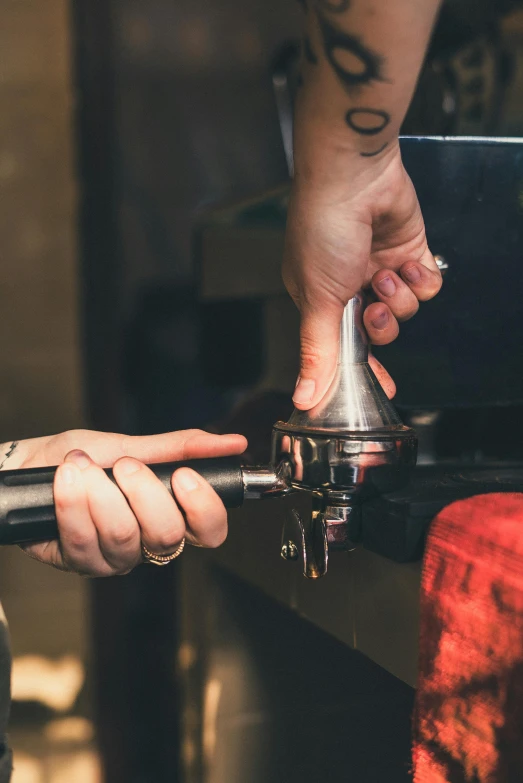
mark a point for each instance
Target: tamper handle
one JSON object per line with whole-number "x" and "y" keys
{"x": 27, "y": 511}
{"x": 354, "y": 344}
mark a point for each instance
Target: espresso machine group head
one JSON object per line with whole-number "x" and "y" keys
{"x": 349, "y": 447}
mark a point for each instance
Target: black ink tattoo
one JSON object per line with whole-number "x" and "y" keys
{"x": 308, "y": 51}
{"x": 335, "y": 6}
{"x": 10, "y": 451}
{"x": 367, "y": 122}
{"x": 365, "y": 65}
{"x": 376, "y": 152}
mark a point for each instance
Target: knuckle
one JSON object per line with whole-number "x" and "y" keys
{"x": 77, "y": 542}
{"x": 310, "y": 360}
{"x": 75, "y": 437}
{"x": 62, "y": 504}
{"x": 188, "y": 441}
{"x": 123, "y": 536}
{"x": 312, "y": 356}
{"x": 194, "y": 432}
{"x": 168, "y": 540}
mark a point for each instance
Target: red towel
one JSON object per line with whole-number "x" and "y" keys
{"x": 468, "y": 720}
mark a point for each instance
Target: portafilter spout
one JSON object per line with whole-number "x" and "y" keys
{"x": 350, "y": 445}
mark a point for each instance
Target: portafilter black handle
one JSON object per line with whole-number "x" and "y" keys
{"x": 27, "y": 512}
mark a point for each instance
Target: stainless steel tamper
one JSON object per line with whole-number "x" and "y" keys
{"x": 350, "y": 446}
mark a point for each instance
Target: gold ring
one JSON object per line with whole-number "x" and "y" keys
{"x": 161, "y": 560}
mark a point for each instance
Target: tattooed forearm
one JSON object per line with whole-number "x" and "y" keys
{"x": 375, "y": 152}
{"x": 363, "y": 57}
{"x": 354, "y": 63}
{"x": 367, "y": 122}
{"x": 8, "y": 452}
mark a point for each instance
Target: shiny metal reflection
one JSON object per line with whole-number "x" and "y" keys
{"x": 355, "y": 400}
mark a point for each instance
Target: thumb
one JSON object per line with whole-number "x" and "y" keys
{"x": 320, "y": 336}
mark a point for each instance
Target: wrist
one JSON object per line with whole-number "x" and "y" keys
{"x": 326, "y": 163}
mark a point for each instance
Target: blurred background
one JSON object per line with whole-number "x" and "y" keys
{"x": 122, "y": 124}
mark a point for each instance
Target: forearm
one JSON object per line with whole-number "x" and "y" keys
{"x": 361, "y": 61}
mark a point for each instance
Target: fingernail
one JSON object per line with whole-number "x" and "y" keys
{"x": 129, "y": 466}
{"x": 387, "y": 286}
{"x": 412, "y": 274}
{"x": 67, "y": 474}
{"x": 380, "y": 321}
{"x": 79, "y": 458}
{"x": 186, "y": 479}
{"x": 304, "y": 391}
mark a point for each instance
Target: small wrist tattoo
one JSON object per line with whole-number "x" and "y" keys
{"x": 9, "y": 453}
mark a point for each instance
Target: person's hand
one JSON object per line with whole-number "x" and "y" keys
{"x": 357, "y": 224}
{"x": 102, "y": 526}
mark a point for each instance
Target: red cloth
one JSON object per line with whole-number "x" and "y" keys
{"x": 468, "y": 720}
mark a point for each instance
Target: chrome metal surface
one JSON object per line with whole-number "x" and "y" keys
{"x": 290, "y": 551}
{"x": 340, "y": 520}
{"x": 260, "y": 482}
{"x": 355, "y": 401}
{"x": 353, "y": 440}
{"x": 350, "y": 462}
{"x": 442, "y": 264}
{"x": 425, "y": 423}
{"x": 308, "y": 537}
{"x": 307, "y": 532}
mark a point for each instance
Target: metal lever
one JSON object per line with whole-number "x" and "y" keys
{"x": 305, "y": 538}
{"x": 310, "y": 538}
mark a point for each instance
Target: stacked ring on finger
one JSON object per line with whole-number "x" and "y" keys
{"x": 161, "y": 560}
